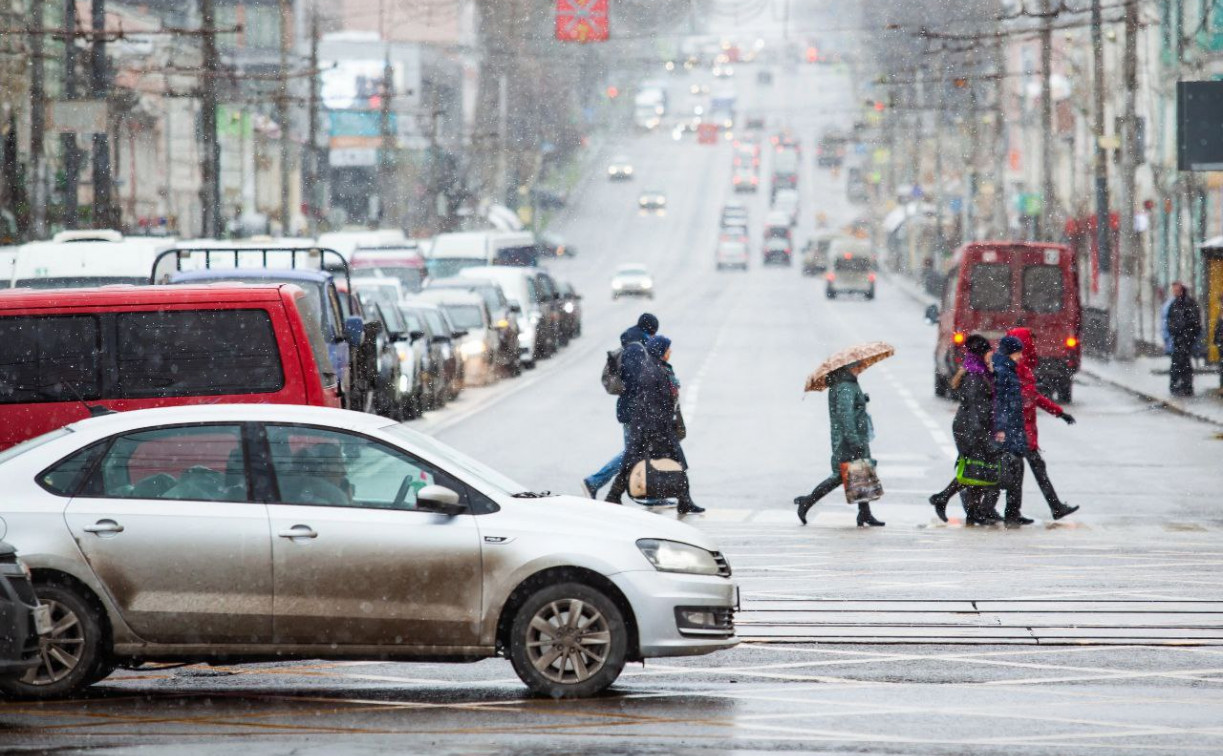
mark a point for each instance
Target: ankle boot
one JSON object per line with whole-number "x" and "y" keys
{"x": 804, "y": 504}
{"x": 865, "y": 517}
{"x": 1060, "y": 510}
{"x": 940, "y": 506}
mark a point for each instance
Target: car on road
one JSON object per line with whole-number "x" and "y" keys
{"x": 620, "y": 169}
{"x": 24, "y": 621}
{"x": 995, "y": 286}
{"x": 571, "y": 309}
{"x": 652, "y": 200}
{"x": 732, "y": 254}
{"x": 830, "y": 152}
{"x": 851, "y": 269}
{"x": 81, "y": 259}
{"x": 786, "y": 201}
{"x": 505, "y": 315}
{"x": 632, "y": 280}
{"x": 778, "y": 250}
{"x": 734, "y": 213}
{"x": 536, "y": 338}
{"x": 745, "y": 180}
{"x": 232, "y": 533}
{"x": 477, "y": 346}
{"x": 814, "y": 255}
{"x": 444, "y": 371}
{"x": 764, "y": 77}
{"x": 785, "y": 169}
{"x": 393, "y": 375}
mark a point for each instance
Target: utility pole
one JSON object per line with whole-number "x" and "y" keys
{"x": 386, "y": 158}
{"x": 72, "y": 155}
{"x": 38, "y": 125}
{"x": 103, "y": 215}
{"x": 282, "y": 117}
{"x": 1103, "y": 230}
{"x": 312, "y": 165}
{"x": 940, "y": 197}
{"x": 1000, "y": 146}
{"x": 1046, "y": 122}
{"x": 1127, "y": 289}
{"x": 210, "y": 152}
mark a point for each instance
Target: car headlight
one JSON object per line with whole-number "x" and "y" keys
{"x": 472, "y": 349}
{"x": 534, "y": 317}
{"x": 628, "y": 170}
{"x": 403, "y": 383}
{"x": 403, "y": 351}
{"x": 612, "y": 170}
{"x": 672, "y": 556}
{"x": 569, "y": 308}
{"x": 617, "y": 285}
{"x": 647, "y": 284}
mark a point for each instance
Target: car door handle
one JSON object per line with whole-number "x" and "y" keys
{"x": 104, "y": 526}
{"x": 298, "y": 531}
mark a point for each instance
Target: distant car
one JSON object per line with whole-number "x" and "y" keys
{"x": 745, "y": 180}
{"x": 505, "y": 318}
{"x": 777, "y": 250}
{"x": 571, "y": 310}
{"x": 851, "y": 269}
{"x": 764, "y": 77}
{"x": 733, "y": 234}
{"x": 443, "y": 369}
{"x": 652, "y": 200}
{"x": 786, "y": 201}
{"x": 732, "y": 254}
{"x": 632, "y": 280}
{"x": 478, "y": 343}
{"x": 23, "y": 620}
{"x": 734, "y": 213}
{"x": 554, "y": 245}
{"x": 620, "y": 169}
{"x": 723, "y": 72}
{"x": 814, "y": 256}
{"x": 699, "y": 89}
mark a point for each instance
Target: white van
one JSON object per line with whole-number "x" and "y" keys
{"x": 451, "y": 253}
{"x": 520, "y": 287}
{"x": 76, "y": 259}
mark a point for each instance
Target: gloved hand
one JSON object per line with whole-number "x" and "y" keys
{"x": 1068, "y": 418}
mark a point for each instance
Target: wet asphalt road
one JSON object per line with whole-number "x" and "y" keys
{"x": 947, "y": 650}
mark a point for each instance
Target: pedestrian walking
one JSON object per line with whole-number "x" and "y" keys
{"x": 1009, "y": 431}
{"x": 650, "y": 399}
{"x": 849, "y": 424}
{"x": 1184, "y": 330}
{"x": 1033, "y": 400}
{"x": 638, "y": 334}
{"x": 1218, "y": 342}
{"x": 973, "y": 430}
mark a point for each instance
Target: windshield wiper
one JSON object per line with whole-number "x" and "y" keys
{"x": 533, "y": 494}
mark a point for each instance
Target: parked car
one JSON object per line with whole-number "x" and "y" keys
{"x": 444, "y": 336}
{"x": 385, "y": 252}
{"x": 477, "y": 347}
{"x": 427, "y": 351}
{"x": 387, "y": 545}
{"x": 553, "y": 306}
{"x": 571, "y": 309}
{"x": 632, "y": 280}
{"x": 81, "y": 259}
{"x": 536, "y": 339}
{"x": 505, "y": 316}
{"x": 393, "y": 385}
{"x": 851, "y": 268}
{"x": 66, "y": 353}
{"x": 25, "y": 623}
{"x": 995, "y": 286}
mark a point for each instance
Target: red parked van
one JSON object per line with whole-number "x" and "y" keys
{"x": 135, "y": 347}
{"x": 996, "y": 286}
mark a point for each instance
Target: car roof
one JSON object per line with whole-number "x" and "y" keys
{"x": 222, "y": 413}
{"x": 128, "y": 295}
{"x": 448, "y": 295}
{"x": 269, "y": 274}
{"x": 631, "y": 267}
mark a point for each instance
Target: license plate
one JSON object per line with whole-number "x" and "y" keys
{"x": 42, "y": 619}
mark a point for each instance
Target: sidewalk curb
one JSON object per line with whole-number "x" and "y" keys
{"x": 909, "y": 290}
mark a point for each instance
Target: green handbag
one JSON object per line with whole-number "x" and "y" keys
{"x": 977, "y": 472}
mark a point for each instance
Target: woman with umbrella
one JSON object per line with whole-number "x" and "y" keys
{"x": 848, "y": 420}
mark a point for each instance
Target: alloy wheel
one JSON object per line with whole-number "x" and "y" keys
{"x": 568, "y": 641}
{"x": 60, "y": 650}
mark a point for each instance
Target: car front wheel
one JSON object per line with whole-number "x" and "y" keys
{"x": 568, "y": 641}
{"x": 71, "y": 656}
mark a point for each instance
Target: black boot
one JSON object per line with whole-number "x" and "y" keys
{"x": 866, "y": 518}
{"x": 940, "y": 506}
{"x": 688, "y": 506}
{"x": 804, "y": 504}
{"x": 1060, "y": 510}
{"x": 1014, "y": 519}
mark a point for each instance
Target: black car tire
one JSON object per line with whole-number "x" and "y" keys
{"x": 527, "y": 649}
{"x": 86, "y": 633}
{"x": 529, "y": 365}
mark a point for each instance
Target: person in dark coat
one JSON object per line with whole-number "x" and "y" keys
{"x": 649, "y": 403}
{"x": 1184, "y": 330}
{"x": 1009, "y": 430}
{"x": 850, "y": 427}
{"x": 638, "y": 334}
{"x": 1218, "y": 342}
{"x": 973, "y": 430}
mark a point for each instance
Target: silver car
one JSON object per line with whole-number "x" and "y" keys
{"x": 632, "y": 280}
{"x": 256, "y": 532}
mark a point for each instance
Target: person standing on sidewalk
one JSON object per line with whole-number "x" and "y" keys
{"x": 637, "y": 335}
{"x": 1184, "y": 330}
{"x": 1009, "y": 432}
{"x": 1033, "y": 400}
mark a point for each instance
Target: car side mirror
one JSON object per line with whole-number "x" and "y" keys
{"x": 932, "y": 314}
{"x": 440, "y": 339}
{"x": 458, "y": 334}
{"x": 515, "y": 308}
{"x": 354, "y": 330}
{"x": 416, "y": 335}
{"x": 439, "y": 499}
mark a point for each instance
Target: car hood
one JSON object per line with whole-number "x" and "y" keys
{"x": 580, "y": 517}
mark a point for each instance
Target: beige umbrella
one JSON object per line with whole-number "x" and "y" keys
{"x": 857, "y": 358}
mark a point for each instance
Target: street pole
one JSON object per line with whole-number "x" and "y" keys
{"x": 282, "y": 117}
{"x": 1000, "y": 146}
{"x": 72, "y": 156}
{"x": 1127, "y": 289}
{"x": 312, "y": 168}
{"x": 1046, "y": 122}
{"x": 940, "y": 197}
{"x": 386, "y": 161}
{"x": 210, "y": 152}
{"x": 38, "y": 125}
{"x": 103, "y": 216}
{"x": 1103, "y": 232}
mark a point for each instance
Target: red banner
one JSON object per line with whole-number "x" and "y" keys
{"x": 581, "y": 20}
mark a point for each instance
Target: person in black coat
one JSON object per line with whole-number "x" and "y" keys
{"x": 973, "y": 430}
{"x": 648, "y": 412}
{"x": 1184, "y": 330}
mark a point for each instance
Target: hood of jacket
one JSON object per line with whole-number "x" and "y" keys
{"x": 1025, "y": 337}
{"x": 634, "y": 335}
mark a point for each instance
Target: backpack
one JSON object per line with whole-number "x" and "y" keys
{"x": 612, "y": 382}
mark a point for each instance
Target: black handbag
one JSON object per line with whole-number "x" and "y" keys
{"x": 657, "y": 479}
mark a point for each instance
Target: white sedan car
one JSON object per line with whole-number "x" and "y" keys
{"x": 261, "y": 531}
{"x": 632, "y": 280}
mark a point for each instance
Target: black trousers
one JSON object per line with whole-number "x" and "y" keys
{"x": 1180, "y": 377}
{"x": 1041, "y": 473}
{"x": 1012, "y": 482}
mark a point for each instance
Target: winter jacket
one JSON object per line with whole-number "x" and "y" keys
{"x": 1032, "y": 398}
{"x": 973, "y": 427}
{"x": 1008, "y": 405}
{"x": 1184, "y": 322}
{"x": 649, "y": 409}
{"x": 632, "y": 335}
{"x": 848, "y": 420}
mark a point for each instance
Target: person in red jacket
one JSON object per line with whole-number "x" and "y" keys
{"x": 1033, "y": 399}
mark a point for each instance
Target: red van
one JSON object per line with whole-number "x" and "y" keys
{"x": 996, "y": 286}
{"x": 64, "y": 351}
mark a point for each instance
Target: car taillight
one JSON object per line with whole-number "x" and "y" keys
{"x": 830, "y": 276}
{"x": 870, "y": 277}
{"x": 957, "y": 338}
{"x": 1072, "y": 342}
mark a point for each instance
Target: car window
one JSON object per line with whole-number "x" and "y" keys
{"x": 853, "y": 264}
{"x": 1043, "y": 288}
{"x": 196, "y": 353}
{"x": 65, "y": 477}
{"x": 436, "y": 324}
{"x": 324, "y": 467}
{"x": 192, "y": 463}
{"x": 412, "y": 320}
{"x": 465, "y": 317}
{"x": 307, "y": 306}
{"x": 50, "y": 359}
{"x": 989, "y": 287}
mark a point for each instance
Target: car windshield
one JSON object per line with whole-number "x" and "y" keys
{"x": 448, "y": 267}
{"x": 465, "y": 317}
{"x": 410, "y": 277}
{"x": 450, "y": 457}
{"x": 777, "y": 244}
{"x": 632, "y": 272}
